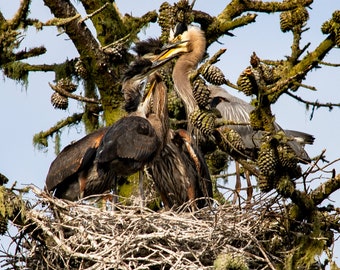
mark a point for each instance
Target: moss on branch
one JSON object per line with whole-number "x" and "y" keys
{"x": 40, "y": 139}
{"x": 322, "y": 192}
{"x": 237, "y": 7}
{"x": 230, "y": 18}
{"x": 21, "y": 14}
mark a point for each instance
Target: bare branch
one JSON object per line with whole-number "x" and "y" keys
{"x": 73, "y": 96}
{"x": 316, "y": 104}
{"x": 324, "y": 190}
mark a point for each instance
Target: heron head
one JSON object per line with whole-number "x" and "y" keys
{"x": 186, "y": 39}
{"x": 135, "y": 86}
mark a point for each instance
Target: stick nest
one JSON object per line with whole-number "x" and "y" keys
{"x": 82, "y": 236}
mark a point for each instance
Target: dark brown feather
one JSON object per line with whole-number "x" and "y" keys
{"x": 128, "y": 145}
{"x": 149, "y": 46}
{"x": 71, "y": 159}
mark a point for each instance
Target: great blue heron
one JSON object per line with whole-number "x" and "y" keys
{"x": 72, "y": 175}
{"x": 179, "y": 170}
{"x": 191, "y": 50}
{"x": 92, "y": 164}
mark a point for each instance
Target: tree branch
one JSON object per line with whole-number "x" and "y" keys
{"x": 20, "y": 15}
{"x": 73, "y": 96}
{"x": 316, "y": 104}
{"x": 322, "y": 192}
{"x": 41, "y": 137}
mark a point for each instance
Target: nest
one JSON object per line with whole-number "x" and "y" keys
{"x": 69, "y": 235}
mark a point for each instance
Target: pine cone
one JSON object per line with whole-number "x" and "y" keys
{"x": 287, "y": 156}
{"x": 337, "y": 37}
{"x": 213, "y": 75}
{"x": 175, "y": 106}
{"x": 268, "y": 165}
{"x": 115, "y": 51}
{"x": 58, "y": 101}
{"x": 81, "y": 69}
{"x": 233, "y": 139}
{"x": 291, "y": 18}
{"x": 256, "y": 119}
{"x": 267, "y": 73}
{"x": 201, "y": 92}
{"x": 67, "y": 85}
{"x": 336, "y": 16}
{"x": 3, "y": 225}
{"x": 288, "y": 161}
{"x": 3, "y": 179}
{"x": 300, "y": 15}
{"x": 286, "y": 22}
{"x": 326, "y": 27}
{"x": 165, "y": 14}
{"x": 264, "y": 183}
{"x": 165, "y": 20}
{"x": 204, "y": 120}
{"x": 247, "y": 82}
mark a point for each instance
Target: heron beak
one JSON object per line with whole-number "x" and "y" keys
{"x": 148, "y": 90}
{"x": 151, "y": 64}
{"x": 170, "y": 51}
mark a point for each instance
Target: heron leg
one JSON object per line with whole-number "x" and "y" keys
{"x": 114, "y": 200}
{"x": 238, "y": 183}
{"x": 249, "y": 187}
{"x": 188, "y": 145}
{"x": 82, "y": 185}
{"x": 192, "y": 196}
{"x": 105, "y": 199}
{"x": 141, "y": 188}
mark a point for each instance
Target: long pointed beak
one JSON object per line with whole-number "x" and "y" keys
{"x": 146, "y": 99}
{"x": 170, "y": 51}
{"x": 148, "y": 90}
{"x": 145, "y": 66}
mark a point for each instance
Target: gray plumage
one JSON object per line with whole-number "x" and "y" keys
{"x": 237, "y": 110}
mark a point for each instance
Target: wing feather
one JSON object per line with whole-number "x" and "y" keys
{"x": 71, "y": 159}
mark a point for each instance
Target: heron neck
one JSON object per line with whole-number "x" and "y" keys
{"x": 160, "y": 103}
{"x": 180, "y": 75}
{"x": 185, "y": 65}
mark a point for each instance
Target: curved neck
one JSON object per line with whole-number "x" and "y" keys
{"x": 186, "y": 64}
{"x": 160, "y": 108}
{"x": 180, "y": 76}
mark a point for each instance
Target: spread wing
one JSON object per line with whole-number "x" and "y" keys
{"x": 73, "y": 158}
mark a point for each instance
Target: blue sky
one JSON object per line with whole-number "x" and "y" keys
{"x": 24, "y": 112}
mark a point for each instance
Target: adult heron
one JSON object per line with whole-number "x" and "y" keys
{"x": 191, "y": 49}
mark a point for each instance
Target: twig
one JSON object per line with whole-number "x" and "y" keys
{"x": 314, "y": 103}
{"x": 76, "y": 97}
{"x": 95, "y": 12}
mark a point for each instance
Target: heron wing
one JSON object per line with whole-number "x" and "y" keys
{"x": 194, "y": 159}
{"x": 301, "y": 137}
{"x": 237, "y": 110}
{"x": 73, "y": 158}
{"x": 232, "y": 108}
{"x": 131, "y": 137}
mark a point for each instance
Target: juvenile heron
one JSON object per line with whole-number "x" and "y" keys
{"x": 92, "y": 164}
{"x": 73, "y": 174}
{"x": 179, "y": 170}
{"x": 191, "y": 50}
